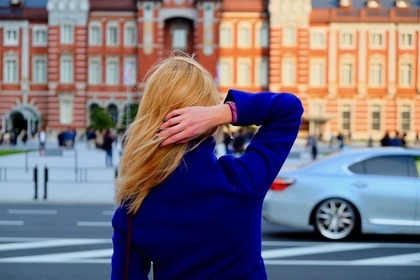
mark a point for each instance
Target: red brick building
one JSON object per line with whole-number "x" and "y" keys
{"x": 354, "y": 63}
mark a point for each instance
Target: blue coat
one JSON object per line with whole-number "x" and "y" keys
{"x": 204, "y": 222}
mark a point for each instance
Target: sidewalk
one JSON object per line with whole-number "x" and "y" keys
{"x": 62, "y": 188}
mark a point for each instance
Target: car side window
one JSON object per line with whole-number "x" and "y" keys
{"x": 387, "y": 166}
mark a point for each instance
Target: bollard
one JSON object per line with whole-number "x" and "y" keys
{"x": 45, "y": 181}
{"x": 36, "y": 182}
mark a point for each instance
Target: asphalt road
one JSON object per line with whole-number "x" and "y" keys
{"x": 56, "y": 241}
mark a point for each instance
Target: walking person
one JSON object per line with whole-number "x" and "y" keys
{"x": 42, "y": 137}
{"x": 107, "y": 146}
{"x": 312, "y": 144}
{"x": 192, "y": 214}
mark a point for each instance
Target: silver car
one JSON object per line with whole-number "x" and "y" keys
{"x": 375, "y": 190}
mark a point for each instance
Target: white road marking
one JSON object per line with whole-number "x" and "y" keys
{"x": 94, "y": 224}
{"x": 51, "y": 243}
{"x": 318, "y": 249}
{"x": 334, "y": 263}
{"x": 391, "y": 260}
{"x": 31, "y": 212}
{"x": 11, "y": 223}
{"x": 108, "y": 213}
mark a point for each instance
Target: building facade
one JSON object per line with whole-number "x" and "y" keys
{"x": 355, "y": 64}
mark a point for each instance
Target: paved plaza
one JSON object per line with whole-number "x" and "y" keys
{"x": 79, "y": 175}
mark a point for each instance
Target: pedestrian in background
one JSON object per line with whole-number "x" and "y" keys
{"x": 195, "y": 215}
{"x": 42, "y": 137}
{"x": 107, "y": 146}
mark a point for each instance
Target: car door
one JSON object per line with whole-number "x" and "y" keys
{"x": 387, "y": 191}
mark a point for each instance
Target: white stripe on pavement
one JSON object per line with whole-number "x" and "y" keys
{"x": 31, "y": 212}
{"x": 319, "y": 249}
{"x": 94, "y": 224}
{"x": 333, "y": 263}
{"x": 391, "y": 260}
{"x": 63, "y": 257}
{"x": 51, "y": 243}
{"x": 108, "y": 213}
{"x": 11, "y": 223}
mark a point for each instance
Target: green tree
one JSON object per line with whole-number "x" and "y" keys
{"x": 129, "y": 116}
{"x": 100, "y": 119}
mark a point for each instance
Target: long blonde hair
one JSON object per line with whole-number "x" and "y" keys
{"x": 176, "y": 82}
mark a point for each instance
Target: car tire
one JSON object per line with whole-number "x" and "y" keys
{"x": 335, "y": 219}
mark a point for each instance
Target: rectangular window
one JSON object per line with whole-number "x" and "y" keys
{"x": 244, "y": 71}
{"x": 66, "y": 69}
{"x": 376, "y": 40}
{"x": 130, "y": 71}
{"x": 289, "y": 36}
{"x": 95, "y": 71}
{"x": 11, "y": 37}
{"x": 179, "y": 38}
{"x": 375, "y": 74}
{"x": 39, "y": 37}
{"x": 346, "y": 40}
{"x": 39, "y": 68}
{"x": 346, "y": 118}
{"x": 225, "y": 36}
{"x": 67, "y": 34}
{"x": 317, "y": 74}
{"x": 405, "y": 118}
{"x": 317, "y": 40}
{"x": 244, "y": 37}
{"x": 112, "y": 35}
{"x": 10, "y": 70}
{"x": 112, "y": 72}
{"x": 66, "y": 109}
{"x": 346, "y": 74}
{"x": 263, "y": 72}
{"x": 406, "y": 74}
{"x": 94, "y": 35}
{"x": 264, "y": 35}
{"x": 288, "y": 73}
{"x": 130, "y": 35}
{"x": 375, "y": 118}
{"x": 225, "y": 73}
{"x": 406, "y": 40}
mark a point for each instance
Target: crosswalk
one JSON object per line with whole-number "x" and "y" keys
{"x": 99, "y": 251}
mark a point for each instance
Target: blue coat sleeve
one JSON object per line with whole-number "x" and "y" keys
{"x": 139, "y": 266}
{"x": 279, "y": 117}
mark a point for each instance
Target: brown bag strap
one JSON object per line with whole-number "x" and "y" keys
{"x": 128, "y": 247}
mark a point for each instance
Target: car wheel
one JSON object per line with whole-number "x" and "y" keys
{"x": 335, "y": 219}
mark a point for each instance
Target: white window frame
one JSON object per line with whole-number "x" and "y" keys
{"x": 374, "y": 37}
{"x": 403, "y": 37}
{"x": 66, "y": 102}
{"x": 36, "y": 40}
{"x": 405, "y": 124}
{"x": 112, "y": 71}
{"x": 243, "y": 73}
{"x": 344, "y": 120}
{"x": 288, "y": 73}
{"x": 375, "y": 123}
{"x": 95, "y": 39}
{"x": 317, "y": 73}
{"x": 376, "y": 73}
{"x": 179, "y": 37}
{"x": 289, "y": 36}
{"x": 318, "y": 39}
{"x": 95, "y": 71}
{"x": 226, "y": 35}
{"x": 130, "y": 40}
{"x": 10, "y": 69}
{"x": 262, "y": 35}
{"x": 244, "y": 35}
{"x": 11, "y": 36}
{"x": 39, "y": 69}
{"x": 261, "y": 71}
{"x": 347, "y": 40}
{"x": 406, "y": 73}
{"x": 225, "y": 75}
{"x": 130, "y": 70}
{"x": 347, "y": 73}
{"x": 66, "y": 69}
{"x": 110, "y": 29}
{"x": 67, "y": 34}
